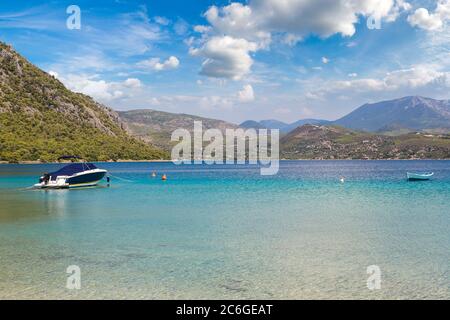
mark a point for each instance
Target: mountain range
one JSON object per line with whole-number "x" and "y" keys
{"x": 411, "y": 113}
{"x": 282, "y": 126}
{"x": 156, "y": 127}
{"x": 407, "y": 114}
{"x": 40, "y": 120}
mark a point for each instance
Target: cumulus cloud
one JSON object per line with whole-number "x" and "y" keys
{"x": 423, "y": 19}
{"x": 324, "y": 18}
{"x": 132, "y": 83}
{"x": 325, "y": 60}
{"x": 321, "y": 17}
{"x": 225, "y": 57}
{"x": 246, "y": 94}
{"x": 91, "y": 86}
{"x": 415, "y": 77}
{"x": 239, "y": 21}
{"x": 99, "y": 89}
{"x": 238, "y": 29}
{"x": 155, "y": 64}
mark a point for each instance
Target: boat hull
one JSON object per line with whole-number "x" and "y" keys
{"x": 419, "y": 177}
{"x": 84, "y": 179}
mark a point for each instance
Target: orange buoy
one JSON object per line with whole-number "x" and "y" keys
{"x": 164, "y": 177}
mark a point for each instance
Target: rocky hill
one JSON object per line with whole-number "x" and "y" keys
{"x": 40, "y": 119}
{"x": 156, "y": 127}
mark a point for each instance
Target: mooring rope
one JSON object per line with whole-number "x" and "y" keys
{"x": 116, "y": 177}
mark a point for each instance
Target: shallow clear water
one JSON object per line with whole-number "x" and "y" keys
{"x": 227, "y": 232}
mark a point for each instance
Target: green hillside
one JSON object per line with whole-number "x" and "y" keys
{"x": 40, "y": 119}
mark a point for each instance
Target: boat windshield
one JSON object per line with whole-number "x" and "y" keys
{"x": 71, "y": 169}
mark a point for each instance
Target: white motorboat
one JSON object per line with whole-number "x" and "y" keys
{"x": 81, "y": 174}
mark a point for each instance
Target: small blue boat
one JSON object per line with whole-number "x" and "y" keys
{"x": 419, "y": 176}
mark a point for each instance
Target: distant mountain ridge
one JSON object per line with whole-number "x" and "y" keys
{"x": 282, "y": 126}
{"x": 156, "y": 127}
{"x": 316, "y": 139}
{"x": 414, "y": 113}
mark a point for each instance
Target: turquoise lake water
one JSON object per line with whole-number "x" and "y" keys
{"x": 213, "y": 232}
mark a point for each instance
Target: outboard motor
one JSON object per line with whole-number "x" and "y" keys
{"x": 45, "y": 178}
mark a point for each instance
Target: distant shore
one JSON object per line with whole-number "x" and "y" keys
{"x": 109, "y": 161}
{"x": 163, "y": 161}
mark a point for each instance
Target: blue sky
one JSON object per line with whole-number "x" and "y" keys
{"x": 257, "y": 59}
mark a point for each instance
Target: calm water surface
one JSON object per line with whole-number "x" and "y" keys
{"x": 227, "y": 232}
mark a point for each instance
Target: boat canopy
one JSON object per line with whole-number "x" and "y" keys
{"x": 71, "y": 169}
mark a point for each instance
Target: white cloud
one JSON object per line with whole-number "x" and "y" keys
{"x": 202, "y": 29}
{"x": 99, "y": 89}
{"x": 238, "y": 29}
{"x": 246, "y": 94}
{"x": 325, "y": 60}
{"x": 401, "y": 82}
{"x": 422, "y": 18}
{"x": 53, "y": 74}
{"x": 415, "y": 77}
{"x": 89, "y": 85}
{"x": 225, "y": 57}
{"x": 324, "y": 18}
{"x": 353, "y": 75}
{"x": 132, "y": 83}
{"x": 238, "y": 21}
{"x": 155, "y": 64}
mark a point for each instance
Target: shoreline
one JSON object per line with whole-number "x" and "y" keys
{"x": 165, "y": 161}
{"x": 61, "y": 162}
